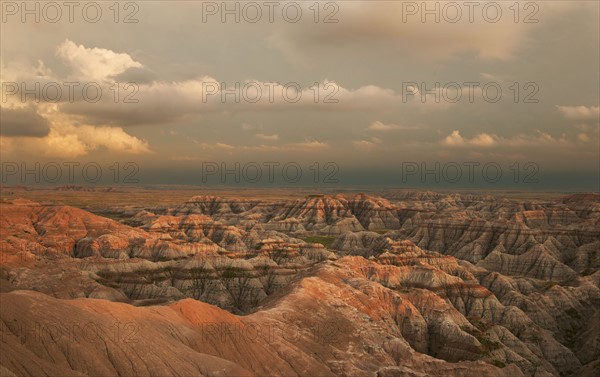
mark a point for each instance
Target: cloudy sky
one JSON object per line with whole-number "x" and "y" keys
{"x": 356, "y": 88}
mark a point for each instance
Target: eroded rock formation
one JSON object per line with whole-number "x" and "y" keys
{"x": 414, "y": 284}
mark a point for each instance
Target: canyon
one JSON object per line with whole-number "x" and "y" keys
{"x": 399, "y": 283}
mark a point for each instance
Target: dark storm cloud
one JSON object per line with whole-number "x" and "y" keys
{"x": 141, "y": 75}
{"x": 22, "y": 122}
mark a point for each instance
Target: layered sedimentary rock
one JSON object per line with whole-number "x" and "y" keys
{"x": 316, "y": 328}
{"x": 413, "y": 284}
{"x": 316, "y": 213}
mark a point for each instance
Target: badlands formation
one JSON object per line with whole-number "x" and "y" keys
{"x": 402, "y": 284}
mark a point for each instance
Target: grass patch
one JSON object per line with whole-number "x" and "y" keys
{"x": 570, "y": 338}
{"x": 489, "y": 344}
{"x": 481, "y": 324}
{"x": 323, "y": 240}
{"x": 112, "y": 216}
{"x": 549, "y": 284}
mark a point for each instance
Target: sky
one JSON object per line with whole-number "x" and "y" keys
{"x": 302, "y": 93}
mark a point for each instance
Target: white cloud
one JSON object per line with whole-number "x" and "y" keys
{"x": 308, "y": 145}
{"x": 112, "y": 138}
{"x": 484, "y": 140}
{"x": 313, "y": 144}
{"x": 68, "y": 141}
{"x": 94, "y": 63}
{"x": 454, "y": 139}
{"x": 368, "y": 145}
{"x": 380, "y": 126}
{"x": 57, "y": 144}
{"x": 364, "y": 144}
{"x": 217, "y": 146}
{"x": 580, "y": 112}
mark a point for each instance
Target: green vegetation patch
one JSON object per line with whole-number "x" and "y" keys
{"x": 489, "y": 344}
{"x": 549, "y": 284}
{"x": 323, "y": 240}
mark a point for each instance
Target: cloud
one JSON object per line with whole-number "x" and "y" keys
{"x": 150, "y": 101}
{"x": 584, "y": 138}
{"x": 112, "y": 138}
{"x": 68, "y": 141}
{"x": 484, "y": 140}
{"x": 367, "y": 145}
{"x": 217, "y": 146}
{"x": 580, "y": 112}
{"x": 24, "y": 121}
{"x": 41, "y": 129}
{"x": 6, "y": 146}
{"x": 379, "y": 126}
{"x": 314, "y": 144}
{"x": 304, "y": 146}
{"x": 363, "y": 143}
{"x": 389, "y": 25}
{"x": 62, "y": 145}
{"x": 19, "y": 70}
{"x": 454, "y": 139}
{"x": 138, "y": 75}
{"x": 162, "y": 102}
{"x": 94, "y": 63}
{"x": 273, "y": 137}
{"x": 158, "y": 102}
